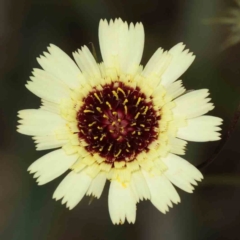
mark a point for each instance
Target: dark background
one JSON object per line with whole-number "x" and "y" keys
{"x": 27, "y": 211}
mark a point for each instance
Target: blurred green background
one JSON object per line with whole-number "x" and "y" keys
{"x": 27, "y": 211}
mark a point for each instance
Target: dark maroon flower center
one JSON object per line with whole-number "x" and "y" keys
{"x": 117, "y": 122}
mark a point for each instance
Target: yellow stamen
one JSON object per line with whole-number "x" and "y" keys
{"x": 109, "y": 105}
{"x": 109, "y": 148}
{"x": 145, "y": 111}
{"x": 99, "y": 109}
{"x": 120, "y": 90}
{"x": 97, "y": 97}
{"x": 119, "y": 138}
{"x": 91, "y": 124}
{"x": 115, "y": 94}
{"x": 102, "y": 136}
{"x": 116, "y": 155}
{"x": 139, "y": 100}
{"x": 125, "y": 109}
{"x": 125, "y": 101}
{"x": 88, "y": 111}
{"x": 137, "y": 115}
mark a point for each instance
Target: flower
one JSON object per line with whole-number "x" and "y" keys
{"x": 117, "y": 121}
{"x": 232, "y": 19}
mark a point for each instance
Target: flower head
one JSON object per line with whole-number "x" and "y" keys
{"x": 118, "y": 121}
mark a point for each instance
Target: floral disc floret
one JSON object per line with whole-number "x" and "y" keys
{"x": 117, "y": 122}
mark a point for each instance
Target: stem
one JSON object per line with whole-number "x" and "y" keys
{"x": 223, "y": 141}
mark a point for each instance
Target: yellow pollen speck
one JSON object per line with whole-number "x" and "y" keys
{"x": 137, "y": 115}
{"x": 115, "y": 94}
{"x": 99, "y": 109}
{"x": 147, "y": 129}
{"x": 125, "y": 101}
{"x": 142, "y": 125}
{"x": 116, "y": 155}
{"x": 128, "y": 144}
{"x": 97, "y": 97}
{"x": 120, "y": 90}
{"x": 100, "y": 149}
{"x": 133, "y": 132}
{"x": 133, "y": 124}
{"x": 139, "y": 100}
{"x": 109, "y": 105}
{"x": 119, "y": 120}
{"x": 114, "y": 113}
{"x": 113, "y": 123}
{"x": 145, "y": 111}
{"x": 139, "y": 133}
{"x": 105, "y": 116}
{"x": 99, "y": 127}
{"x": 88, "y": 111}
{"x": 96, "y": 137}
{"x": 127, "y": 150}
